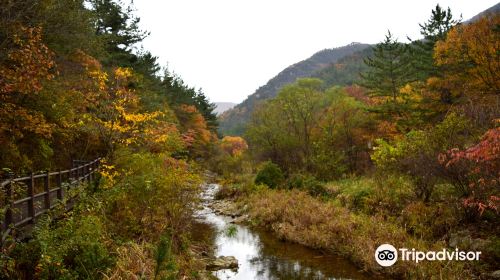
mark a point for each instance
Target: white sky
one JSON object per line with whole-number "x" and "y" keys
{"x": 229, "y": 48}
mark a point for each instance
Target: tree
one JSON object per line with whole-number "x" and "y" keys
{"x": 195, "y": 132}
{"x": 285, "y": 124}
{"x": 416, "y": 154}
{"x": 24, "y": 129}
{"x": 342, "y": 135}
{"x": 388, "y": 71}
{"x": 119, "y": 30}
{"x": 233, "y": 145}
{"x": 471, "y": 57}
{"x": 179, "y": 94}
{"x": 307, "y": 130}
{"x": 116, "y": 116}
{"x": 434, "y": 30}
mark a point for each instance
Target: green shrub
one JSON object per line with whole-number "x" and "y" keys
{"x": 270, "y": 174}
{"x": 165, "y": 264}
{"x": 74, "y": 249}
{"x": 149, "y": 198}
{"x": 429, "y": 222}
{"x": 307, "y": 183}
{"x": 355, "y": 193}
{"x": 391, "y": 193}
{"x": 385, "y": 194}
{"x": 25, "y": 257}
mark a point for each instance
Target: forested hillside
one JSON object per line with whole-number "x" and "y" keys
{"x": 75, "y": 85}
{"x": 352, "y": 148}
{"x": 233, "y": 121}
{"x": 346, "y": 71}
{"x": 398, "y": 144}
{"x": 339, "y": 66}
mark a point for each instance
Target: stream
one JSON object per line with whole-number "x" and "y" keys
{"x": 260, "y": 255}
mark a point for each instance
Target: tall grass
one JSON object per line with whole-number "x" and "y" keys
{"x": 298, "y": 217}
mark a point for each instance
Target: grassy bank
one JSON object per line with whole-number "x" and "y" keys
{"x": 354, "y": 216}
{"x": 297, "y": 217}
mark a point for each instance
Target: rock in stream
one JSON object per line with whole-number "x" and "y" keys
{"x": 223, "y": 262}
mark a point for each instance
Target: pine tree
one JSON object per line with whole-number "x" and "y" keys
{"x": 388, "y": 70}
{"x": 119, "y": 30}
{"x": 434, "y": 30}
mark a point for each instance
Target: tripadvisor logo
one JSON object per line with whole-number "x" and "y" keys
{"x": 387, "y": 255}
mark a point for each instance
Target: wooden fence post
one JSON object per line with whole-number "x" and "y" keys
{"x": 31, "y": 193}
{"x": 8, "y": 203}
{"x": 80, "y": 172}
{"x": 70, "y": 176}
{"x": 77, "y": 175}
{"x": 91, "y": 171}
{"x": 59, "y": 185}
{"x": 46, "y": 189}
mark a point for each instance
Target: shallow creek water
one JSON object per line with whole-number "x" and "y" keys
{"x": 260, "y": 255}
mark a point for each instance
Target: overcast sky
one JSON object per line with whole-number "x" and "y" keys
{"x": 229, "y": 48}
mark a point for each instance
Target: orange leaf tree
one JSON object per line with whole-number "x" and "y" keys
{"x": 234, "y": 145}
{"x": 471, "y": 56}
{"x": 27, "y": 65}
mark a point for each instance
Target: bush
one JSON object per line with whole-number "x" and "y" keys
{"x": 233, "y": 191}
{"x": 307, "y": 183}
{"x": 74, "y": 249}
{"x": 150, "y": 197}
{"x": 392, "y": 193}
{"x": 429, "y": 222}
{"x": 270, "y": 174}
{"x": 417, "y": 153}
{"x": 474, "y": 172}
{"x": 386, "y": 195}
{"x": 355, "y": 193}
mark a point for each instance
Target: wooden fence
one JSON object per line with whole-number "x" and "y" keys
{"x": 28, "y": 197}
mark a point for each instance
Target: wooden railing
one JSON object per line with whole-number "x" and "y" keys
{"x": 28, "y": 197}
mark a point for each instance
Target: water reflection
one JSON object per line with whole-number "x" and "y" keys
{"x": 262, "y": 256}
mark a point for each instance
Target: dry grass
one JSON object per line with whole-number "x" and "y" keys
{"x": 134, "y": 262}
{"x": 298, "y": 217}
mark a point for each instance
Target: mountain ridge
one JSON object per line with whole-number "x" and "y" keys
{"x": 233, "y": 120}
{"x": 336, "y": 66}
{"x": 221, "y": 107}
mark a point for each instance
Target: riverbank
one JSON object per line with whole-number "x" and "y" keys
{"x": 323, "y": 223}
{"x": 260, "y": 254}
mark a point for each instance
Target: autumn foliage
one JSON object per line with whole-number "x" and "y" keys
{"x": 477, "y": 170}
{"x": 29, "y": 63}
{"x": 470, "y": 55}
{"x": 234, "y": 145}
{"x": 72, "y": 86}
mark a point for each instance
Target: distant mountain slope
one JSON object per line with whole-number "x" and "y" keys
{"x": 221, "y": 107}
{"x": 233, "y": 121}
{"x": 345, "y": 71}
{"x": 492, "y": 10}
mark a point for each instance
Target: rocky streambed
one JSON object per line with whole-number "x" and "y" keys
{"x": 242, "y": 252}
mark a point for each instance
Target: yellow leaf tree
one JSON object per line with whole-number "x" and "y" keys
{"x": 471, "y": 56}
